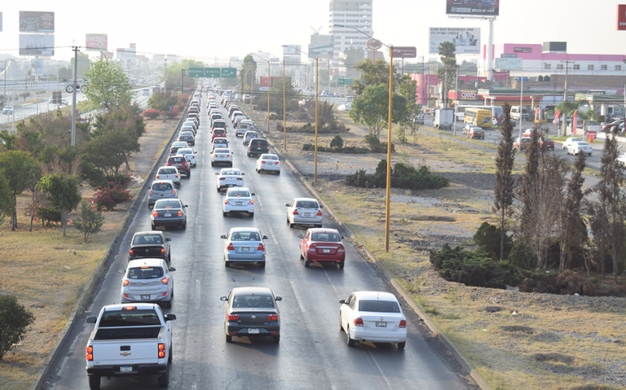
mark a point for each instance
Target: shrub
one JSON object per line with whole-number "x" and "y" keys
{"x": 14, "y": 319}
{"x": 47, "y": 215}
{"x": 402, "y": 176}
{"x": 89, "y": 172}
{"x": 487, "y": 239}
{"x": 120, "y": 180}
{"x": 520, "y": 256}
{"x": 109, "y": 196}
{"x": 89, "y": 221}
{"x": 569, "y": 282}
{"x": 151, "y": 113}
{"x": 337, "y": 142}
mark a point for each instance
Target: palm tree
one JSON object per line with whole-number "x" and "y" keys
{"x": 447, "y": 52}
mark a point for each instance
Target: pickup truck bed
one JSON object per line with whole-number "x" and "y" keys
{"x": 126, "y": 333}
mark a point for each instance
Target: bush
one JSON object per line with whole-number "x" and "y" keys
{"x": 151, "y": 113}
{"x": 47, "y": 215}
{"x": 487, "y": 239}
{"x": 14, "y": 319}
{"x": 520, "y": 256}
{"x": 402, "y": 176}
{"x": 89, "y": 221}
{"x": 90, "y": 173}
{"x": 337, "y": 142}
{"x": 109, "y": 196}
{"x": 473, "y": 268}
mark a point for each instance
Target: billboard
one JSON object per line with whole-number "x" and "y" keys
{"x": 621, "y": 17}
{"x": 292, "y": 50}
{"x": 509, "y": 63}
{"x": 322, "y": 50}
{"x": 96, "y": 42}
{"x": 37, "y": 66}
{"x": 473, "y": 7}
{"x": 36, "y": 45}
{"x": 466, "y": 39}
{"x": 36, "y": 22}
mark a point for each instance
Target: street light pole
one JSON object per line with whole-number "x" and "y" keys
{"x": 284, "y": 107}
{"x": 317, "y": 94}
{"x": 388, "y": 190}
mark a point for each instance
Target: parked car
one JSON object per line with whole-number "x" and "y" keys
{"x": 304, "y": 211}
{"x": 161, "y": 189}
{"x": 251, "y": 312}
{"x": 257, "y": 147}
{"x": 579, "y": 147}
{"x": 238, "y": 200}
{"x": 169, "y": 212}
{"x": 373, "y": 316}
{"x": 244, "y": 245}
{"x": 268, "y": 163}
{"x": 181, "y": 163}
{"x": 150, "y": 244}
{"x": 547, "y": 143}
{"x": 169, "y": 173}
{"x": 321, "y": 245}
{"x": 148, "y": 280}
{"x": 229, "y": 177}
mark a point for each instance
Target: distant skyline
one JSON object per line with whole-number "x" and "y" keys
{"x": 216, "y": 31}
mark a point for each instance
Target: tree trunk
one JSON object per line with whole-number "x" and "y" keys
{"x": 64, "y": 221}
{"x": 502, "y": 234}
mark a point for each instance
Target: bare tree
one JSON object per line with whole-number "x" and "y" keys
{"x": 571, "y": 235}
{"x": 503, "y": 192}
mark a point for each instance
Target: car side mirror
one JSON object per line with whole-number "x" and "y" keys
{"x": 242, "y": 174}
{"x": 91, "y": 320}
{"x": 122, "y": 271}
{"x": 343, "y": 301}
{"x": 300, "y": 235}
{"x": 217, "y": 173}
{"x": 186, "y": 205}
{"x": 265, "y": 237}
{"x": 321, "y": 206}
{"x": 277, "y": 299}
{"x": 224, "y": 299}
{"x": 169, "y": 317}
{"x": 287, "y": 205}
{"x": 168, "y": 239}
{"x": 252, "y": 194}
{"x": 223, "y": 236}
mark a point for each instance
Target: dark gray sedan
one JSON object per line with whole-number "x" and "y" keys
{"x": 168, "y": 213}
{"x": 251, "y": 312}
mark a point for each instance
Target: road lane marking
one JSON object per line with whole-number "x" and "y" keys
{"x": 197, "y": 297}
{"x": 273, "y": 236}
{"x": 331, "y": 283}
{"x": 369, "y": 351}
{"x": 259, "y": 200}
{"x": 295, "y": 292}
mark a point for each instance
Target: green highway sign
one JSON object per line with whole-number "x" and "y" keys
{"x": 212, "y": 72}
{"x": 345, "y": 82}
{"x": 196, "y": 72}
{"x": 229, "y": 73}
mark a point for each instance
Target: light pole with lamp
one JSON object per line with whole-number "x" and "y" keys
{"x": 389, "y": 117}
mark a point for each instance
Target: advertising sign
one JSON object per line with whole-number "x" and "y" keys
{"x": 519, "y": 49}
{"x": 322, "y": 50}
{"x": 37, "y": 66}
{"x": 473, "y": 7}
{"x": 36, "y": 45}
{"x": 509, "y": 63}
{"x": 466, "y": 39}
{"x": 621, "y": 17}
{"x": 36, "y": 22}
{"x": 96, "y": 42}
{"x": 291, "y": 50}
{"x": 404, "y": 52}
{"x": 468, "y": 95}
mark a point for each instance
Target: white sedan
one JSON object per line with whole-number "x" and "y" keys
{"x": 229, "y": 177}
{"x": 268, "y": 163}
{"x": 372, "y": 316}
{"x": 569, "y": 141}
{"x": 579, "y": 147}
{"x": 238, "y": 200}
{"x": 7, "y": 110}
{"x": 190, "y": 154}
{"x": 222, "y": 156}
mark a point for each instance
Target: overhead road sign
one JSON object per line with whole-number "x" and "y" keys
{"x": 212, "y": 72}
{"x": 345, "y": 82}
{"x": 196, "y": 72}
{"x": 228, "y": 73}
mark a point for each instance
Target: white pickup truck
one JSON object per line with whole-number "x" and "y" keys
{"x": 128, "y": 340}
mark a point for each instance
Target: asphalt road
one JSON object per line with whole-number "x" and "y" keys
{"x": 312, "y": 353}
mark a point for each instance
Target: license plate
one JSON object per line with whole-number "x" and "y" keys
{"x": 145, "y": 297}
{"x": 245, "y": 249}
{"x": 253, "y": 331}
{"x": 126, "y": 369}
{"x": 167, "y": 214}
{"x": 325, "y": 250}
{"x": 239, "y": 203}
{"x": 381, "y": 324}
{"x": 307, "y": 214}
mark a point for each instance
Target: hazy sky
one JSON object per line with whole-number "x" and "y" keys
{"x": 211, "y": 30}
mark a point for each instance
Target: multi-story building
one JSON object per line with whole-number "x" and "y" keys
{"x": 351, "y": 14}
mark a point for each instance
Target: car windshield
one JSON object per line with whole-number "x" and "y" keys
{"x": 185, "y": 151}
{"x": 327, "y": 237}
{"x": 583, "y": 144}
{"x": 379, "y": 306}
{"x": 239, "y": 194}
{"x": 145, "y": 272}
{"x": 245, "y": 236}
{"x": 146, "y": 239}
{"x": 253, "y": 301}
{"x": 161, "y": 186}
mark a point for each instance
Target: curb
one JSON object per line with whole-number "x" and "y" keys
{"x": 434, "y": 328}
{"x": 88, "y": 290}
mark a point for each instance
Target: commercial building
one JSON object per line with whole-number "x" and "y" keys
{"x": 351, "y": 14}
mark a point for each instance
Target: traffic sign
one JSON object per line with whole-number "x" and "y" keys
{"x": 229, "y": 73}
{"x": 196, "y": 72}
{"x": 212, "y": 72}
{"x": 345, "y": 82}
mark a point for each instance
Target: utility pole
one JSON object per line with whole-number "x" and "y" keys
{"x": 182, "y": 81}
{"x": 165, "y": 77}
{"x": 564, "y": 124}
{"x": 75, "y": 87}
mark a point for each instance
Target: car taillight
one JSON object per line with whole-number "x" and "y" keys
{"x": 341, "y": 249}
{"x": 161, "y": 350}
{"x": 155, "y": 214}
{"x": 131, "y": 252}
{"x": 165, "y": 281}
{"x": 239, "y": 178}
{"x": 272, "y": 317}
{"x": 233, "y": 317}
{"x": 150, "y": 192}
{"x": 230, "y": 247}
{"x": 277, "y": 162}
{"x": 251, "y": 201}
{"x": 358, "y": 322}
{"x": 89, "y": 353}
{"x": 125, "y": 282}
{"x": 222, "y": 178}
{"x": 225, "y": 201}
{"x": 261, "y": 247}
{"x": 295, "y": 212}
{"x": 230, "y": 155}
{"x": 158, "y": 176}
{"x": 180, "y": 213}
{"x": 319, "y": 213}
{"x": 402, "y": 324}
{"x": 262, "y": 161}
{"x": 312, "y": 248}
{"x": 176, "y": 175}
{"x": 162, "y": 251}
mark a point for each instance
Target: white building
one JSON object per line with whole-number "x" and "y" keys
{"x": 350, "y": 13}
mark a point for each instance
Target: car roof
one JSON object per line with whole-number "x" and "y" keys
{"x": 169, "y": 200}
{"x": 244, "y": 229}
{"x": 145, "y": 261}
{"x": 322, "y": 230}
{"x": 306, "y": 199}
{"x": 162, "y": 181}
{"x": 148, "y": 232}
{"x": 381, "y": 295}
{"x": 252, "y": 291}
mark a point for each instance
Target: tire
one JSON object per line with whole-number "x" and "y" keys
{"x": 163, "y": 380}
{"x": 401, "y": 345}
{"x": 341, "y": 265}
{"x": 183, "y": 226}
{"x": 227, "y": 264}
{"x": 257, "y": 171}
{"x": 225, "y": 214}
{"x": 319, "y": 226}
{"x": 167, "y": 304}
{"x": 251, "y": 215}
{"x": 340, "y": 324}
{"x": 212, "y": 164}
{"x": 177, "y": 185}
{"x": 229, "y": 339}
{"x": 262, "y": 264}
{"x": 189, "y": 175}
{"x": 276, "y": 339}
{"x": 301, "y": 257}
{"x": 154, "y": 227}
{"x": 306, "y": 263}
{"x": 171, "y": 357}
{"x": 277, "y": 173}
{"x": 169, "y": 259}
{"x": 94, "y": 382}
{"x": 349, "y": 340}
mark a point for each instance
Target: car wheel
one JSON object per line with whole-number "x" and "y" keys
{"x": 227, "y": 264}
{"x": 340, "y": 323}
{"x": 164, "y": 379}
{"x": 306, "y": 263}
{"x": 276, "y": 339}
{"x": 169, "y": 261}
{"x": 167, "y": 304}
{"x": 154, "y": 227}
{"x": 183, "y": 226}
{"x": 171, "y": 357}
{"x": 278, "y": 172}
{"x": 212, "y": 164}
{"x": 251, "y": 215}
{"x": 225, "y": 214}
{"x": 589, "y": 155}
{"x": 189, "y": 175}
{"x": 262, "y": 264}
{"x": 349, "y": 340}
{"x": 319, "y": 226}
{"x": 341, "y": 265}
{"x": 229, "y": 339}
{"x": 177, "y": 184}
{"x": 218, "y": 190}
{"x": 257, "y": 170}
{"x": 94, "y": 382}
{"x": 301, "y": 257}
{"x": 401, "y": 345}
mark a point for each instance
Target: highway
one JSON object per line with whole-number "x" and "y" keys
{"x": 312, "y": 353}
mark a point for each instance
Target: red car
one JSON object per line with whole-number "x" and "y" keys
{"x": 218, "y": 133}
{"x": 180, "y": 162}
{"x": 548, "y": 143}
{"x": 321, "y": 245}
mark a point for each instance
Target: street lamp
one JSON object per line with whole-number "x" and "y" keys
{"x": 389, "y": 114}
{"x": 316, "y": 110}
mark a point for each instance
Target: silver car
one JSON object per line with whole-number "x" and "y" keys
{"x": 249, "y": 136}
{"x": 161, "y": 189}
{"x": 148, "y": 280}
{"x": 244, "y": 245}
{"x": 304, "y": 211}
{"x": 238, "y": 200}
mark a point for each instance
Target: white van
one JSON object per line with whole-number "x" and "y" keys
{"x": 516, "y": 112}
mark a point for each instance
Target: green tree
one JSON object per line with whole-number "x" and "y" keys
{"x": 89, "y": 221}
{"x": 372, "y": 74}
{"x": 109, "y": 86}
{"x": 447, "y": 74}
{"x": 503, "y": 191}
{"x": 175, "y": 77}
{"x": 371, "y": 108}
{"x": 352, "y": 56}
{"x": 19, "y": 169}
{"x": 14, "y": 319}
{"x": 572, "y": 236}
{"x": 6, "y": 201}
{"x": 62, "y": 193}
{"x": 248, "y": 73}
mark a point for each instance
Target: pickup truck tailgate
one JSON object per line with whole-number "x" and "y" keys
{"x": 125, "y": 352}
